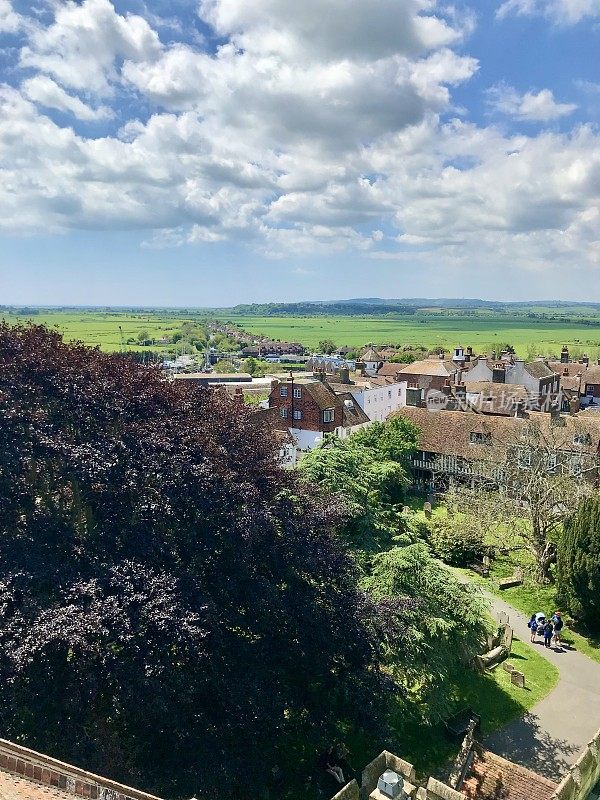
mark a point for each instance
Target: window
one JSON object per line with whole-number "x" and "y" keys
{"x": 475, "y": 437}
{"x": 328, "y": 415}
{"x": 297, "y": 392}
{"x": 575, "y": 466}
{"x": 551, "y": 462}
{"x": 283, "y": 412}
{"x": 525, "y": 459}
{"x": 283, "y": 391}
{"x": 582, "y": 438}
{"x": 297, "y": 415}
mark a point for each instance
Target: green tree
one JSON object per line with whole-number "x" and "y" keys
{"x": 255, "y": 368}
{"x": 578, "y": 567}
{"x": 143, "y": 336}
{"x": 224, "y": 366}
{"x": 327, "y": 346}
{"x": 179, "y": 592}
{"x": 444, "y": 626}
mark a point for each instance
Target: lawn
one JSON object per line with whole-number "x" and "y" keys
{"x": 491, "y": 695}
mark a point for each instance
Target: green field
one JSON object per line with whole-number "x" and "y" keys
{"x": 484, "y": 331}
{"x": 102, "y": 328}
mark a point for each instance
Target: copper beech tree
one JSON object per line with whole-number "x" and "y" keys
{"x": 173, "y": 612}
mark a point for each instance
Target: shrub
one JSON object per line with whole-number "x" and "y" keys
{"x": 578, "y": 567}
{"x": 455, "y": 543}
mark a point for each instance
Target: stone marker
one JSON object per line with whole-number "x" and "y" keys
{"x": 406, "y": 509}
{"x": 502, "y": 618}
{"x": 427, "y": 509}
{"x": 507, "y": 636}
{"x": 486, "y": 561}
{"x": 507, "y": 667}
{"x": 517, "y": 678}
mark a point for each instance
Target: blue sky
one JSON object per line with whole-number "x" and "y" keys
{"x": 179, "y": 153}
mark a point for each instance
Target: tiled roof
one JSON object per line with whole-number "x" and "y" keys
{"x": 28, "y": 775}
{"x": 449, "y": 432}
{"x": 435, "y": 367}
{"x": 390, "y": 369}
{"x": 353, "y": 415}
{"x": 371, "y": 355}
{"x": 492, "y": 777}
{"x": 538, "y": 369}
{"x": 323, "y": 396}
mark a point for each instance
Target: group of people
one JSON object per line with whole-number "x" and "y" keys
{"x": 548, "y": 629}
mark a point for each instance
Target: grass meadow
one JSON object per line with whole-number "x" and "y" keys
{"x": 484, "y": 330}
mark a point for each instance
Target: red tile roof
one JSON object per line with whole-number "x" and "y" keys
{"x": 28, "y": 775}
{"x": 492, "y": 777}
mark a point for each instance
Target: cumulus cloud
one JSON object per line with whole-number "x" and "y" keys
{"x": 45, "y": 92}
{"x": 530, "y": 106}
{"x": 563, "y": 12}
{"x": 80, "y": 47}
{"x": 10, "y": 21}
{"x": 307, "y": 127}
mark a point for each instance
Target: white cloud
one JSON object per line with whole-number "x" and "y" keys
{"x": 80, "y": 47}
{"x": 10, "y": 21}
{"x": 46, "y": 92}
{"x": 562, "y": 12}
{"x": 531, "y": 106}
{"x": 292, "y": 137}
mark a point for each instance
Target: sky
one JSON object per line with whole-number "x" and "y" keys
{"x": 215, "y": 152}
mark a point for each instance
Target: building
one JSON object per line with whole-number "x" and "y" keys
{"x": 579, "y": 376}
{"x": 426, "y": 375}
{"x": 212, "y": 378}
{"x": 540, "y": 381}
{"x": 310, "y": 409}
{"x": 372, "y": 360}
{"x": 266, "y": 347}
{"x": 377, "y": 396}
{"x": 28, "y": 775}
{"x": 468, "y": 447}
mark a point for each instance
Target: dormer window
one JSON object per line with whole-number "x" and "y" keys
{"x": 582, "y": 439}
{"x": 478, "y": 437}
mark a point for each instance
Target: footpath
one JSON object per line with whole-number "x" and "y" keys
{"x": 549, "y": 738}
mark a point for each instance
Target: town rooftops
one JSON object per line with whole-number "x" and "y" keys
{"x": 28, "y": 775}
{"x": 538, "y": 369}
{"x": 353, "y": 413}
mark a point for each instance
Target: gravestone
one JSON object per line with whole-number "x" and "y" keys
{"x": 517, "y": 678}
{"x": 507, "y": 667}
{"x": 507, "y": 636}
{"x": 406, "y": 510}
{"x": 427, "y": 509}
{"x": 487, "y": 561}
{"x": 502, "y": 618}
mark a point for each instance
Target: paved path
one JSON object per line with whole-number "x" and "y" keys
{"x": 550, "y": 737}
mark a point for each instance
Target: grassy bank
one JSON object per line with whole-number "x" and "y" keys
{"x": 491, "y": 695}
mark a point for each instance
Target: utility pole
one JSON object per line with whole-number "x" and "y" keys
{"x": 292, "y": 395}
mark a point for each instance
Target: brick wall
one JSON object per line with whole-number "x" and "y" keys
{"x": 312, "y": 414}
{"x": 51, "y": 772}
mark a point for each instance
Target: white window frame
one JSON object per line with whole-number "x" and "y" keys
{"x": 297, "y": 414}
{"x": 283, "y": 412}
{"x": 283, "y": 391}
{"x": 329, "y": 415}
{"x": 297, "y": 393}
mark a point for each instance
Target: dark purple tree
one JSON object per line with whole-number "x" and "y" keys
{"x": 172, "y": 609}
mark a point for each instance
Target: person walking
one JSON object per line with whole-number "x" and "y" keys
{"x": 558, "y": 624}
{"x": 533, "y": 626}
{"x": 548, "y": 633}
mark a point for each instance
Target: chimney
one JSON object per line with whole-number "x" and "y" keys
{"x": 493, "y": 355}
{"x": 274, "y": 384}
{"x": 564, "y": 355}
{"x": 320, "y": 375}
{"x": 498, "y": 374}
{"x": 360, "y": 367}
{"x": 469, "y": 351}
{"x": 566, "y": 372}
{"x": 585, "y": 360}
{"x": 344, "y": 375}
